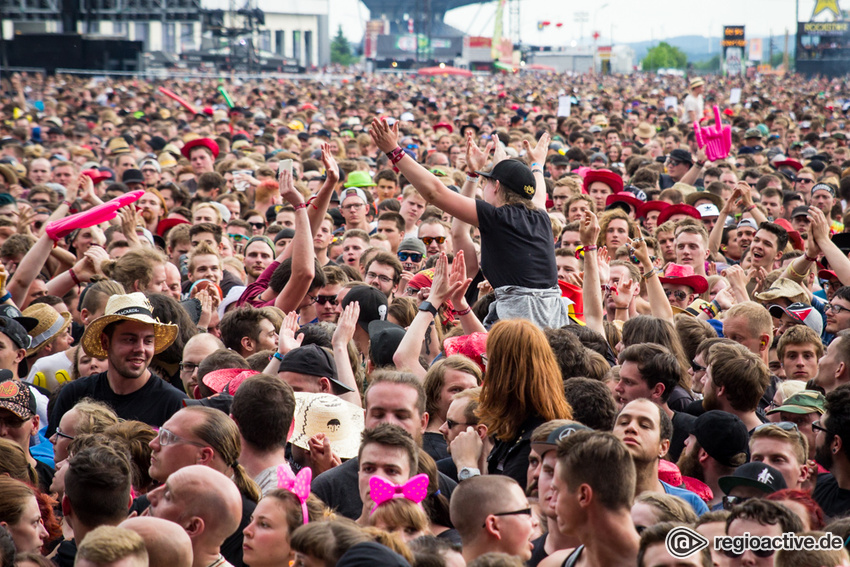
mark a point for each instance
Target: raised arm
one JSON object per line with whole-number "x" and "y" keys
{"x": 654, "y": 290}
{"x": 341, "y": 338}
{"x": 819, "y": 232}
{"x": 319, "y": 204}
{"x": 716, "y": 237}
{"x": 303, "y": 264}
{"x": 476, "y": 159}
{"x": 537, "y": 157}
{"x": 592, "y": 287}
{"x": 425, "y": 182}
{"x": 468, "y": 321}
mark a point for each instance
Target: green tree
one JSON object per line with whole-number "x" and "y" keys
{"x": 341, "y": 50}
{"x": 664, "y": 56}
{"x": 712, "y": 64}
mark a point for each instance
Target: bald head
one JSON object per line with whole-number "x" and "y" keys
{"x": 167, "y": 543}
{"x": 208, "y": 504}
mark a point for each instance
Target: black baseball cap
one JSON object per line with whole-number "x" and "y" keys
{"x": 723, "y": 436}
{"x": 514, "y": 176}
{"x": 384, "y": 339}
{"x": 132, "y": 176}
{"x": 16, "y": 332}
{"x": 373, "y": 304}
{"x": 682, "y": 155}
{"x": 312, "y": 360}
{"x": 12, "y": 312}
{"x": 756, "y": 475}
{"x": 557, "y": 434}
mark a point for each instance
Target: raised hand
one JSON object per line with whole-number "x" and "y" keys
{"x": 537, "y": 154}
{"x": 347, "y": 324}
{"x": 476, "y": 159}
{"x": 717, "y": 139}
{"x": 588, "y": 229}
{"x": 331, "y": 168}
{"x": 384, "y": 135}
{"x": 288, "y": 190}
{"x": 287, "y": 339}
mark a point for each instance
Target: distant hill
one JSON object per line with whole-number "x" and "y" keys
{"x": 699, "y": 48}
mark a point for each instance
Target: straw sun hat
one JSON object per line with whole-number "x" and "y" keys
{"x": 341, "y": 421}
{"x": 129, "y": 307}
{"x": 51, "y": 324}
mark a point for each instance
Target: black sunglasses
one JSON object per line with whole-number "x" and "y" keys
{"x": 730, "y": 502}
{"x": 697, "y": 367}
{"x": 322, "y": 299}
{"x": 413, "y": 256}
{"x": 258, "y": 224}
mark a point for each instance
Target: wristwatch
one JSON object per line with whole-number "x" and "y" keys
{"x": 426, "y": 306}
{"x": 467, "y": 473}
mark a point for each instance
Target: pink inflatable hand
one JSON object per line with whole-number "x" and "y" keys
{"x": 96, "y": 215}
{"x": 173, "y": 95}
{"x": 717, "y": 139}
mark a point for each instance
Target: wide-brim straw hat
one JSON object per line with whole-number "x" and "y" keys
{"x": 50, "y": 325}
{"x": 130, "y": 307}
{"x": 342, "y": 422}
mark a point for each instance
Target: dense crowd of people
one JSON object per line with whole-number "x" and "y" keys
{"x": 430, "y": 322}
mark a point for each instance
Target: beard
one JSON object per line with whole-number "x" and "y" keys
{"x": 148, "y": 216}
{"x": 689, "y": 463}
{"x": 709, "y": 400}
{"x": 823, "y": 456}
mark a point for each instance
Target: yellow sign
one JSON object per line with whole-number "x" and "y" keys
{"x": 825, "y": 27}
{"x": 830, "y": 5}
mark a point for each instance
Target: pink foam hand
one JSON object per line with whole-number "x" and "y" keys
{"x": 299, "y": 485}
{"x": 415, "y": 489}
{"x": 96, "y": 215}
{"x": 717, "y": 139}
{"x": 175, "y": 96}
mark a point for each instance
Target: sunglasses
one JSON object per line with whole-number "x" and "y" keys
{"x": 783, "y": 425}
{"x": 413, "y": 256}
{"x": 697, "y": 367}
{"x": 730, "y": 502}
{"x": 429, "y": 239}
{"x": 676, "y": 293}
{"x": 523, "y": 512}
{"x": 451, "y": 423}
{"x": 237, "y": 237}
{"x": 322, "y": 299}
{"x": 258, "y": 224}
{"x": 763, "y": 553}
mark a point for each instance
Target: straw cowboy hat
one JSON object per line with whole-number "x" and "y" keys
{"x": 51, "y": 324}
{"x": 130, "y": 307}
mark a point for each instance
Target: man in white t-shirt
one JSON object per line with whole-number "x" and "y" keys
{"x": 694, "y": 104}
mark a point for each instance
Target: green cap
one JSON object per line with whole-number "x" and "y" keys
{"x": 807, "y": 401}
{"x": 753, "y": 133}
{"x": 359, "y": 179}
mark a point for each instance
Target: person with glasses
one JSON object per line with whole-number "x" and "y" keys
{"x": 436, "y": 235}
{"x": 492, "y": 514}
{"x": 327, "y": 296}
{"x": 383, "y": 272}
{"x": 756, "y": 518}
{"x": 195, "y": 351}
{"x": 462, "y": 429}
{"x": 411, "y": 254}
{"x": 354, "y": 206}
{"x": 682, "y": 285}
{"x": 832, "y": 490}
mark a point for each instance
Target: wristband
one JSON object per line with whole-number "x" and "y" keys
{"x": 300, "y": 206}
{"x": 6, "y": 297}
{"x": 795, "y": 272}
{"x": 472, "y": 179}
{"x": 71, "y": 208}
{"x": 809, "y": 258}
{"x": 74, "y": 276}
{"x": 701, "y": 163}
{"x": 472, "y": 175}
{"x": 750, "y": 208}
{"x": 537, "y": 170}
{"x": 396, "y": 155}
{"x": 203, "y": 330}
{"x": 429, "y": 307}
{"x": 582, "y": 249}
{"x": 716, "y": 305}
{"x": 652, "y": 272}
{"x": 464, "y": 312}
{"x": 278, "y": 356}
{"x": 535, "y": 163}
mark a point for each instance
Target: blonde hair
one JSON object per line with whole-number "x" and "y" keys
{"x": 202, "y": 205}
{"x": 794, "y": 438}
{"x": 108, "y": 544}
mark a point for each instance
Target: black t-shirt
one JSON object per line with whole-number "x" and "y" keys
{"x": 338, "y": 488}
{"x": 435, "y": 445}
{"x": 517, "y": 247}
{"x": 154, "y": 403}
{"x": 538, "y": 552}
{"x": 681, "y": 422}
{"x": 45, "y": 476}
{"x": 231, "y": 549}
{"x": 66, "y": 553}
{"x": 510, "y": 458}
{"x": 834, "y": 500}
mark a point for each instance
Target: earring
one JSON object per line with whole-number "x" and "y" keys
{"x": 834, "y": 450}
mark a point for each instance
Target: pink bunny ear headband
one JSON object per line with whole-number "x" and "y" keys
{"x": 415, "y": 490}
{"x": 299, "y": 485}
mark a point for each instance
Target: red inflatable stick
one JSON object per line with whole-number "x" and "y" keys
{"x": 717, "y": 139}
{"x": 182, "y": 101}
{"x": 96, "y": 215}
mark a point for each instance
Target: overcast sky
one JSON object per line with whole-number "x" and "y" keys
{"x": 633, "y": 20}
